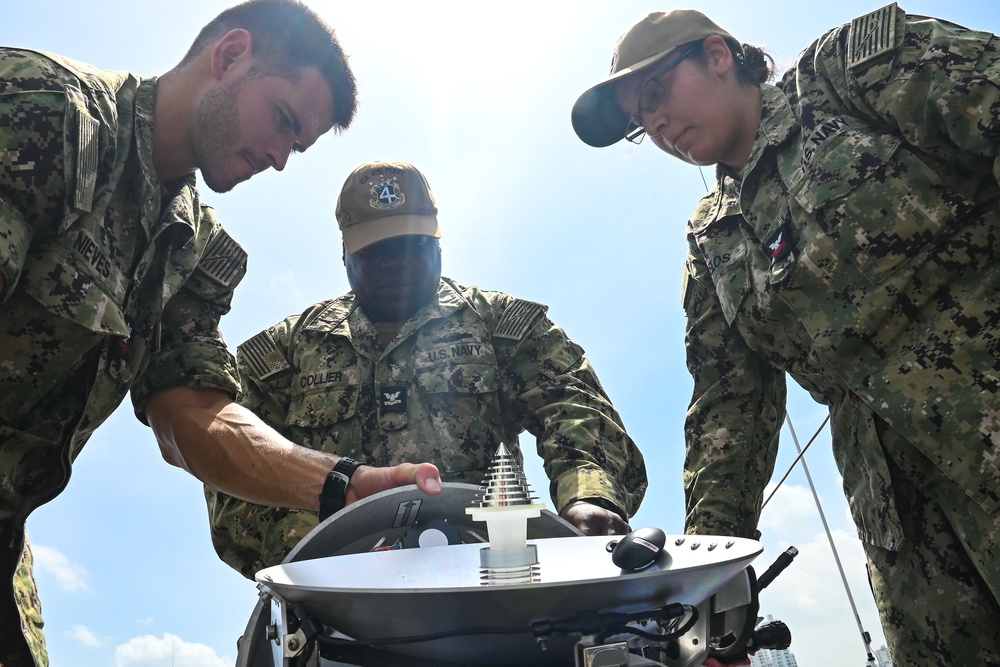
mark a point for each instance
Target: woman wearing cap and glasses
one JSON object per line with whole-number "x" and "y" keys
{"x": 852, "y": 241}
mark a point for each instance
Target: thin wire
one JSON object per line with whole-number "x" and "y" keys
{"x": 829, "y": 536}
{"x": 802, "y": 453}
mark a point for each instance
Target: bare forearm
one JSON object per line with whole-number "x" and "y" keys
{"x": 230, "y": 448}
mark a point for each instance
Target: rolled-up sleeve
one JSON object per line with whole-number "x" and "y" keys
{"x": 191, "y": 351}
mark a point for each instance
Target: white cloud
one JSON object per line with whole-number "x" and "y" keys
{"x": 83, "y": 635}
{"x": 790, "y": 508}
{"x": 148, "y": 620}
{"x": 809, "y": 596}
{"x": 812, "y": 587}
{"x": 71, "y": 576}
{"x": 150, "y": 651}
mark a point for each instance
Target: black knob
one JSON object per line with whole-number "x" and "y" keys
{"x": 639, "y": 549}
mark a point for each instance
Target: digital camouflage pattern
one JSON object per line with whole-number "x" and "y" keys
{"x": 859, "y": 254}
{"x": 469, "y": 371}
{"x": 956, "y": 598}
{"x": 113, "y": 282}
{"x": 26, "y": 597}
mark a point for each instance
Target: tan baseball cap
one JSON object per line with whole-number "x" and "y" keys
{"x": 382, "y": 200}
{"x": 597, "y": 118}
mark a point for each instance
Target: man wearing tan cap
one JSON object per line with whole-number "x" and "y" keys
{"x": 412, "y": 367}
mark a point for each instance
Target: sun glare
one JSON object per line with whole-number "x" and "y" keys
{"x": 459, "y": 49}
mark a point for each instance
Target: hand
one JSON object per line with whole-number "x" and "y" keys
{"x": 594, "y": 520}
{"x": 367, "y": 480}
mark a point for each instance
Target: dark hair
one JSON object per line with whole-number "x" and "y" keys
{"x": 754, "y": 66}
{"x": 288, "y": 36}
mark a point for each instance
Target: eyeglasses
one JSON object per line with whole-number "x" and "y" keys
{"x": 650, "y": 98}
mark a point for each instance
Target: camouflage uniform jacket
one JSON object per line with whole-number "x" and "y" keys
{"x": 865, "y": 264}
{"x": 112, "y": 281}
{"x": 468, "y": 371}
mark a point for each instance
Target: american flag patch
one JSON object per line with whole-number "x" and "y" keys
{"x": 871, "y": 35}
{"x": 223, "y": 257}
{"x": 86, "y": 158}
{"x": 261, "y": 356}
{"x": 517, "y": 319}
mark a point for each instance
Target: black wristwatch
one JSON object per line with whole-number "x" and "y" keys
{"x": 334, "y": 495}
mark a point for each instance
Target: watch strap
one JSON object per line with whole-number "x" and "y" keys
{"x": 334, "y": 495}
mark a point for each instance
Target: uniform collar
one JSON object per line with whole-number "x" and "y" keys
{"x": 163, "y": 207}
{"x": 723, "y": 200}
{"x": 777, "y": 124}
{"x": 343, "y": 316}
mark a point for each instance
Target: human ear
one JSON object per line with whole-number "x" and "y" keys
{"x": 717, "y": 52}
{"x": 235, "y": 47}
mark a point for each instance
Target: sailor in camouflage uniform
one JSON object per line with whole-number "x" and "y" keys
{"x": 410, "y": 366}
{"x": 852, "y": 241}
{"x": 113, "y": 273}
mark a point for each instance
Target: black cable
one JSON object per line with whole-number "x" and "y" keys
{"x": 335, "y": 641}
{"x": 584, "y": 623}
{"x": 691, "y": 612}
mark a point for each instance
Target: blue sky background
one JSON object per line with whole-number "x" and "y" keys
{"x": 477, "y": 96}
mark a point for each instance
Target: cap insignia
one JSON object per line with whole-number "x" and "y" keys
{"x": 386, "y": 194}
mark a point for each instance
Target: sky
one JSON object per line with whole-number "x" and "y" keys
{"x": 478, "y": 97}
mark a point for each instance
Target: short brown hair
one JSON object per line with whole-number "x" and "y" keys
{"x": 287, "y": 36}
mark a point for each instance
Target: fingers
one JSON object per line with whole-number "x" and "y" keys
{"x": 617, "y": 526}
{"x": 593, "y": 520}
{"x": 427, "y": 478}
{"x": 424, "y": 475}
{"x": 368, "y": 480}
